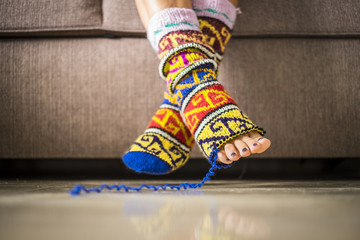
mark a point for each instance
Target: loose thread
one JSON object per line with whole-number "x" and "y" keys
{"x": 214, "y": 166}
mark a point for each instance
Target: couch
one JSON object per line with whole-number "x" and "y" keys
{"x": 79, "y": 78}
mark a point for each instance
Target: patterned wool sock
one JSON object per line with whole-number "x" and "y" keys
{"x": 166, "y": 143}
{"x": 190, "y": 69}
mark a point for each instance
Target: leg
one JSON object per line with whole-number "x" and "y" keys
{"x": 166, "y": 143}
{"x": 185, "y": 36}
{"x": 147, "y": 8}
{"x": 217, "y": 30}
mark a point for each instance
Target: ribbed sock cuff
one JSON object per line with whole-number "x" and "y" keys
{"x": 170, "y": 20}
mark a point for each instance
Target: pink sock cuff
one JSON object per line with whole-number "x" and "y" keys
{"x": 170, "y": 20}
{"x": 222, "y": 10}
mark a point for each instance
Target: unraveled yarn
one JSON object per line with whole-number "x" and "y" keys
{"x": 78, "y": 189}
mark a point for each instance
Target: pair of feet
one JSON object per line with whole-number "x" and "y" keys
{"x": 243, "y": 146}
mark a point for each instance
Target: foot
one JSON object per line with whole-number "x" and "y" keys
{"x": 165, "y": 145}
{"x": 243, "y": 146}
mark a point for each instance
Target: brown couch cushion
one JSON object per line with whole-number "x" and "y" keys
{"x": 91, "y": 98}
{"x": 120, "y": 18}
{"x": 46, "y": 16}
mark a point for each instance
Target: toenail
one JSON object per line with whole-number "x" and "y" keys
{"x": 255, "y": 144}
{"x": 244, "y": 149}
{"x": 233, "y": 154}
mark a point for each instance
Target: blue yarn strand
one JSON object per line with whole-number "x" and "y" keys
{"x": 214, "y": 166}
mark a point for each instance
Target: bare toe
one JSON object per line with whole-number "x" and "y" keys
{"x": 223, "y": 158}
{"x": 231, "y": 152}
{"x": 242, "y": 148}
{"x": 264, "y": 142}
{"x": 252, "y": 144}
{"x": 255, "y": 135}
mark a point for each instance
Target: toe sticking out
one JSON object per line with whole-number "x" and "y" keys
{"x": 243, "y": 146}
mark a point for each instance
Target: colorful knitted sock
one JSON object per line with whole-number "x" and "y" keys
{"x": 166, "y": 143}
{"x": 209, "y": 112}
